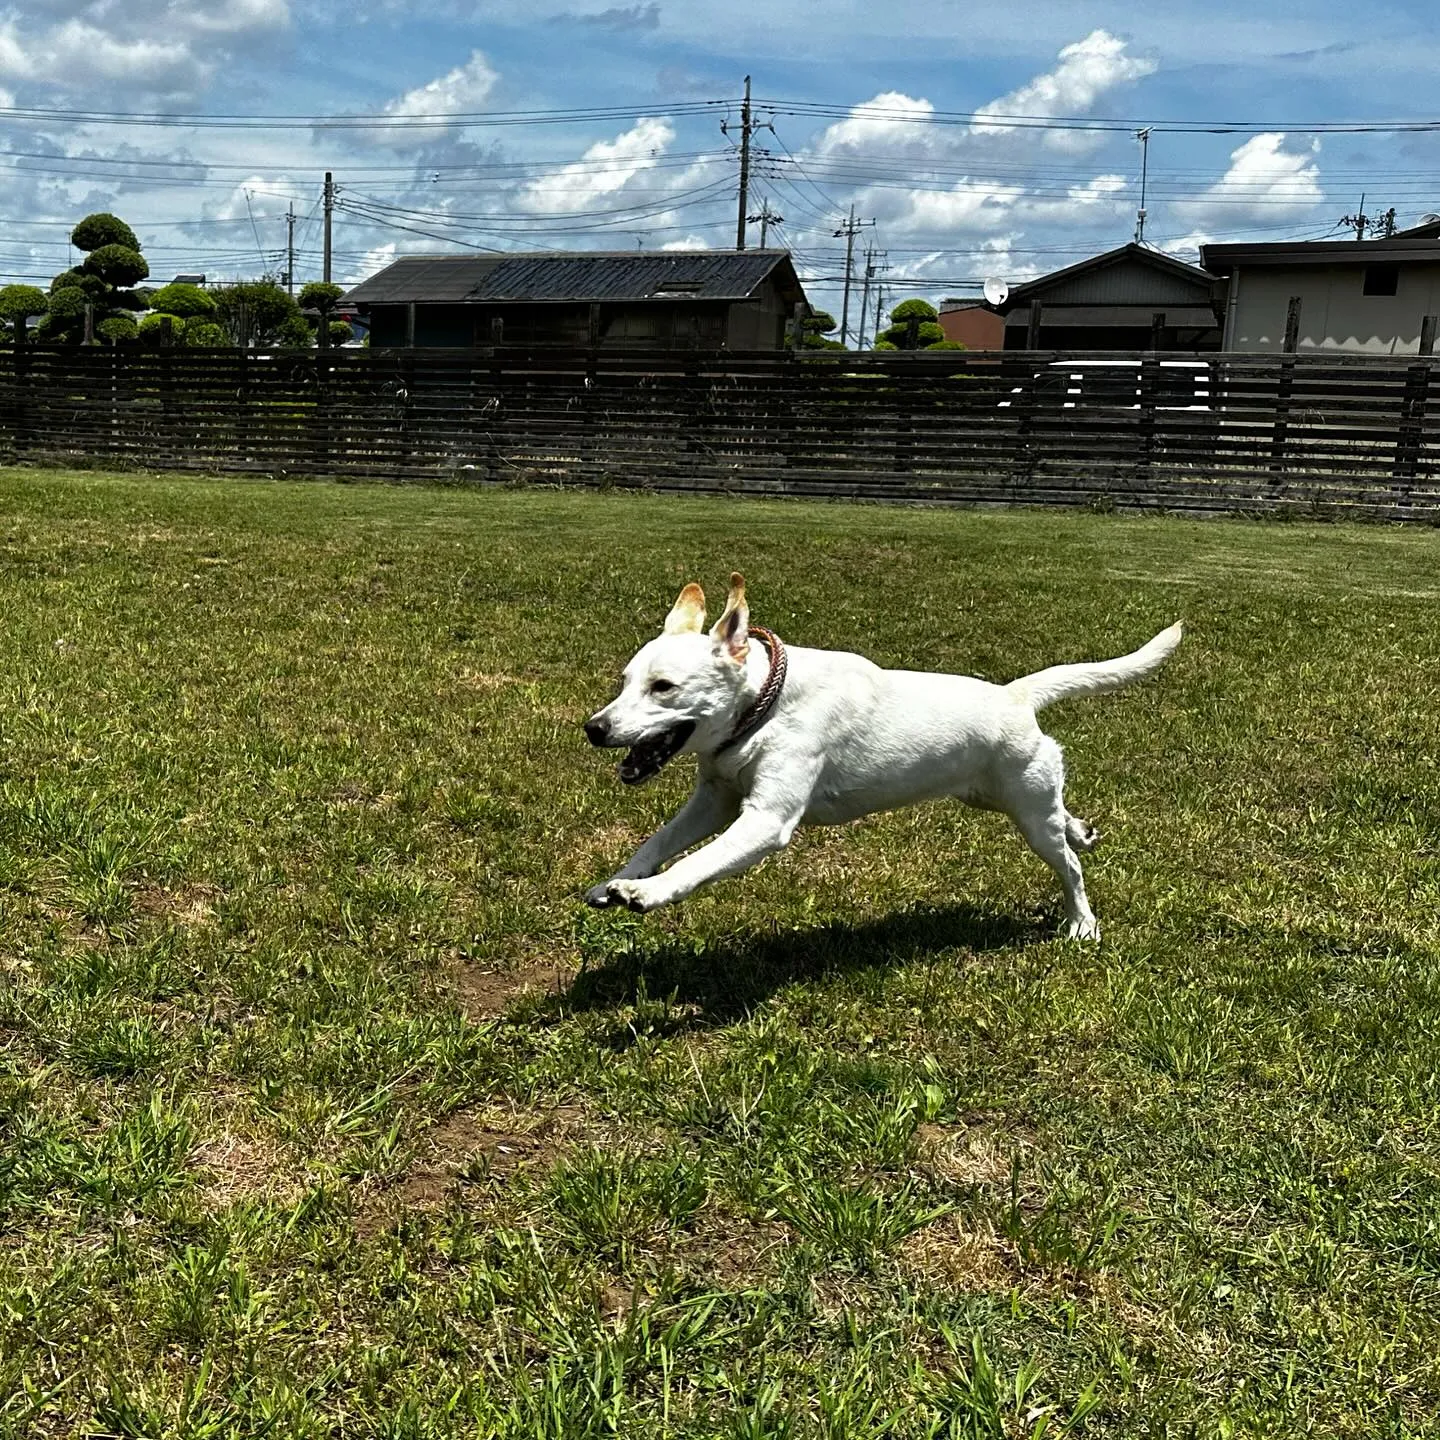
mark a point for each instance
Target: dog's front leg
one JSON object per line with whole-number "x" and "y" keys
{"x": 709, "y": 807}
{"x": 747, "y": 842}
{"x": 768, "y": 818}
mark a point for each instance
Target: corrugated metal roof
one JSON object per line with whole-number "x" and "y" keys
{"x": 1222, "y": 259}
{"x": 576, "y": 277}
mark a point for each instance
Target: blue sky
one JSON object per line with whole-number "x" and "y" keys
{"x": 892, "y": 107}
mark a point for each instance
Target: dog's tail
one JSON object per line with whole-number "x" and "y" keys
{"x": 1061, "y": 682}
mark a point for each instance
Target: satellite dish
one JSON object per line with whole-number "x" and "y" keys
{"x": 1429, "y": 219}
{"x": 997, "y": 292}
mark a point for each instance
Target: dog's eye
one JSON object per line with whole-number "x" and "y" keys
{"x": 661, "y": 687}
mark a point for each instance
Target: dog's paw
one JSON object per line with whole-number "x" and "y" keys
{"x": 633, "y": 894}
{"x": 1087, "y": 929}
{"x": 598, "y": 896}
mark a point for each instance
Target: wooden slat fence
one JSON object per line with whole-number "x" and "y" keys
{"x": 1323, "y": 434}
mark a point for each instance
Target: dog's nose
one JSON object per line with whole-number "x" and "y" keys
{"x": 596, "y": 730}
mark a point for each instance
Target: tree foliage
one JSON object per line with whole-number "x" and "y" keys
{"x": 97, "y": 231}
{"x": 267, "y": 310}
{"x": 187, "y": 301}
{"x": 117, "y": 265}
{"x": 320, "y": 295}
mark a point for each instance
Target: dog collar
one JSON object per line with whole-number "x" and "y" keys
{"x": 756, "y": 715}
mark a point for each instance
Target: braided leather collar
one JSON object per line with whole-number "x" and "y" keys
{"x": 756, "y": 715}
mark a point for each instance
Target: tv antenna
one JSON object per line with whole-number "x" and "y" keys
{"x": 1143, "y": 136}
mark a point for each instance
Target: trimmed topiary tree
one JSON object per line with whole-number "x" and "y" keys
{"x": 112, "y": 265}
{"x": 914, "y": 325}
{"x": 152, "y": 328}
{"x": 117, "y": 328}
{"x": 202, "y": 333}
{"x": 817, "y": 328}
{"x": 20, "y": 304}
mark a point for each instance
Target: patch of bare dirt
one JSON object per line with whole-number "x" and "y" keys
{"x": 946, "y": 1253}
{"x": 735, "y": 1252}
{"x": 481, "y": 680}
{"x": 977, "y": 1149}
{"x": 485, "y": 994}
{"x": 188, "y": 905}
{"x": 233, "y": 1167}
{"x": 495, "y": 1144}
{"x": 352, "y": 794}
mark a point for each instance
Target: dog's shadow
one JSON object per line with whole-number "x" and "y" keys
{"x": 719, "y": 983}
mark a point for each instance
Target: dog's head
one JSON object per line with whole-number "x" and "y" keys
{"x": 682, "y": 691}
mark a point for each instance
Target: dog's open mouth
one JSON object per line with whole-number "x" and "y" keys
{"x": 645, "y": 759}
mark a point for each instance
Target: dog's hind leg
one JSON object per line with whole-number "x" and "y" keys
{"x": 1038, "y": 809}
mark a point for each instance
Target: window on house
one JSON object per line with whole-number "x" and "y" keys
{"x": 1381, "y": 279}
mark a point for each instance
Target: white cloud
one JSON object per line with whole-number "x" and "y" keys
{"x": 147, "y": 48}
{"x": 465, "y": 88}
{"x": 1187, "y": 247}
{"x": 606, "y": 167}
{"x": 690, "y": 242}
{"x": 252, "y": 193}
{"x": 1087, "y": 71}
{"x": 1266, "y": 183}
{"x": 892, "y": 119}
{"x": 968, "y": 206}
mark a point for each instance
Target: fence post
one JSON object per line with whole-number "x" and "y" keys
{"x": 797, "y": 326}
{"x": 1410, "y": 436}
{"x": 1032, "y": 333}
{"x": 1280, "y": 430}
{"x": 1023, "y": 400}
{"x": 1149, "y": 385}
{"x": 20, "y": 438}
{"x": 1292, "y": 325}
{"x": 1157, "y": 329}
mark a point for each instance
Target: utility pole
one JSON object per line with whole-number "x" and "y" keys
{"x": 744, "y": 168}
{"x": 748, "y": 126}
{"x": 880, "y": 270}
{"x": 767, "y": 217}
{"x": 1359, "y": 220}
{"x": 865, "y": 290}
{"x": 849, "y": 230}
{"x": 290, "y": 250}
{"x": 1143, "y": 136}
{"x": 329, "y": 211}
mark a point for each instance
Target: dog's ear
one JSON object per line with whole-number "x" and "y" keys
{"x": 731, "y": 632}
{"x": 687, "y": 615}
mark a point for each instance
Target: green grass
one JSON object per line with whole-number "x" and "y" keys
{"x": 326, "y": 1108}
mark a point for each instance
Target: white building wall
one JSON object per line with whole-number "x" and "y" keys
{"x": 1335, "y": 313}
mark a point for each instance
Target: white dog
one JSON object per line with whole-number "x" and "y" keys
{"x": 817, "y": 737}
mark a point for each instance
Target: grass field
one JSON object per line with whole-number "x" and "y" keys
{"x": 327, "y": 1109}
